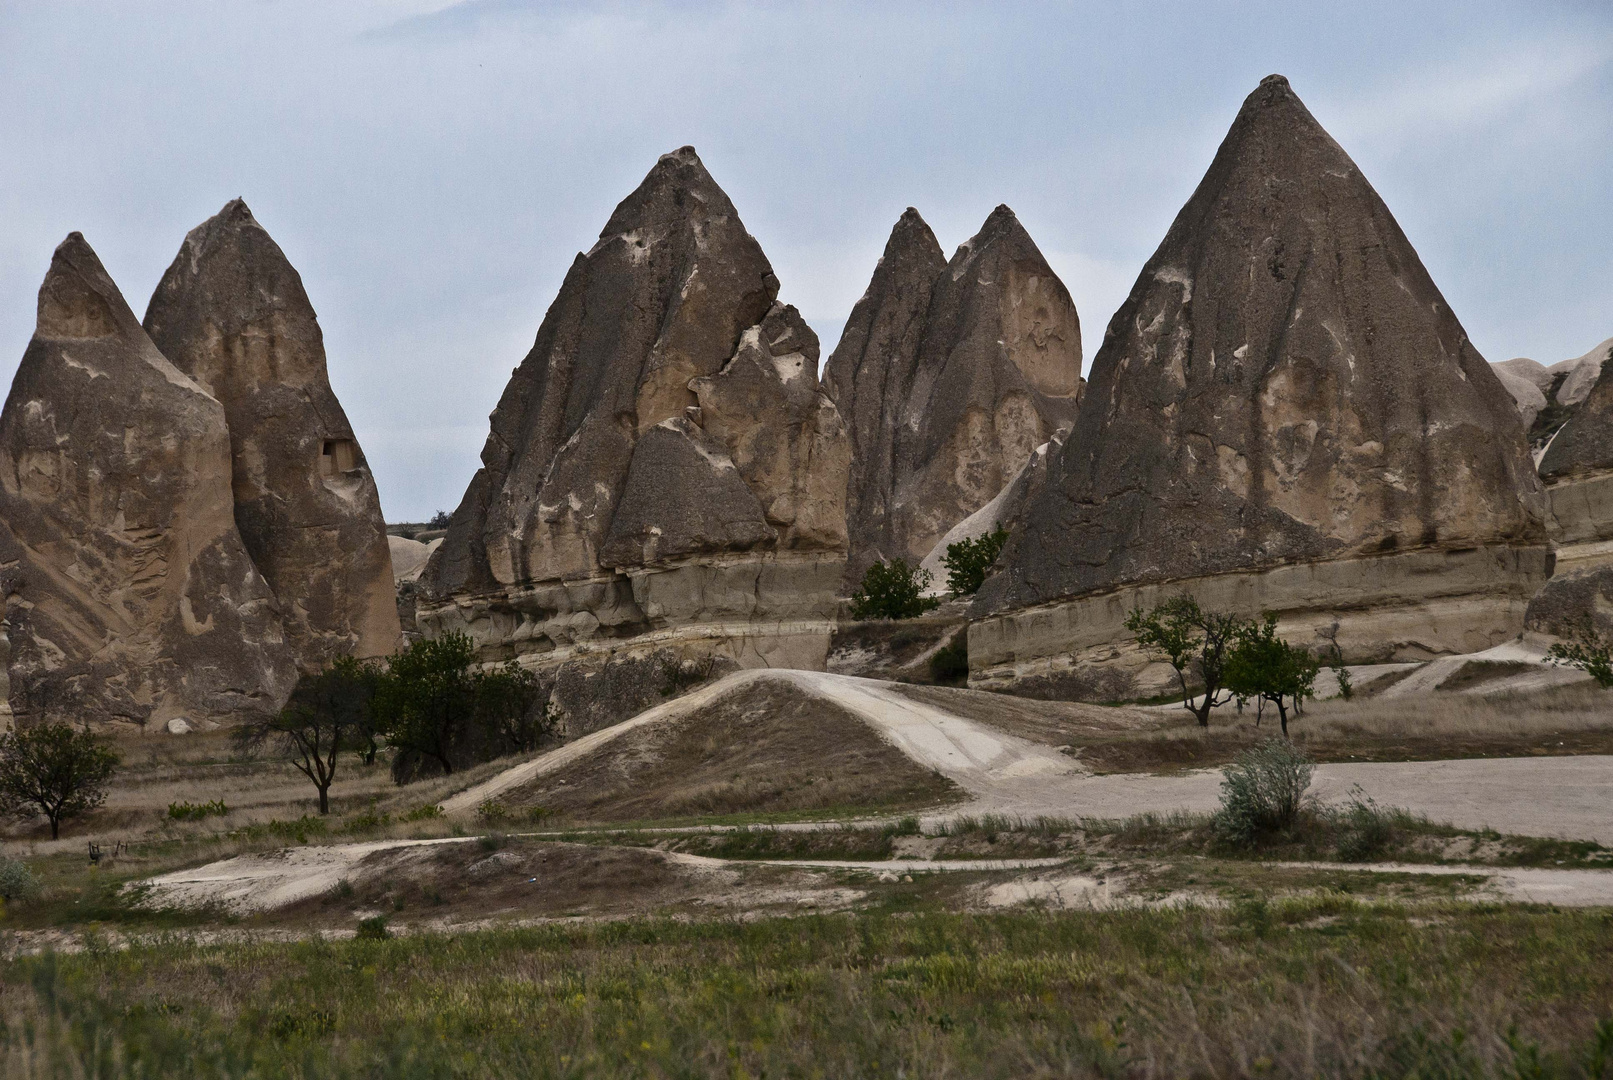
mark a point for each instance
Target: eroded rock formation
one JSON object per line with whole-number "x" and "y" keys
{"x": 663, "y": 465}
{"x": 232, "y": 314}
{"x": 950, "y": 375}
{"x": 1285, "y": 415}
{"x": 1577, "y": 467}
{"x": 129, "y": 593}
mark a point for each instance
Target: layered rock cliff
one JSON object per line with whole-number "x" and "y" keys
{"x": 232, "y": 314}
{"x": 129, "y": 593}
{"x": 949, "y": 376}
{"x": 1284, "y": 388}
{"x": 1577, "y": 467}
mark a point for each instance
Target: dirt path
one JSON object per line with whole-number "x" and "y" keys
{"x": 1549, "y": 796}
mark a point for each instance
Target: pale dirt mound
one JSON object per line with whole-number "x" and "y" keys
{"x": 766, "y": 745}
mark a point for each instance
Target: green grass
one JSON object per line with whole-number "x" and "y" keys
{"x": 1323, "y": 987}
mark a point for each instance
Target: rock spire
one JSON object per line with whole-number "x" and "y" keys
{"x": 231, "y": 313}
{"x": 952, "y": 375}
{"x": 129, "y": 593}
{"x": 1284, "y": 384}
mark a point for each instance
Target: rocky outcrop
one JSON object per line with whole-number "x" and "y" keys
{"x": 232, "y": 314}
{"x": 949, "y": 375}
{"x": 663, "y": 470}
{"x": 1562, "y": 388}
{"x": 1285, "y": 414}
{"x": 129, "y": 593}
{"x": 1577, "y": 467}
{"x": 1572, "y": 602}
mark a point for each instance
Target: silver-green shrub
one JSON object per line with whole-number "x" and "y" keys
{"x": 17, "y": 882}
{"x": 1262, "y": 792}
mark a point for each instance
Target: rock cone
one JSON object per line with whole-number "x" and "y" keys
{"x": 1284, "y": 385}
{"x": 943, "y": 418}
{"x": 129, "y": 592}
{"x": 232, "y": 314}
{"x": 663, "y": 459}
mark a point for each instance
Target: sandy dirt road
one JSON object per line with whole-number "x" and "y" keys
{"x": 1549, "y": 796}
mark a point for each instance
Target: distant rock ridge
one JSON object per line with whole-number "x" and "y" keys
{"x": 1547, "y": 397}
{"x": 129, "y": 593}
{"x": 663, "y": 465}
{"x": 231, "y": 312}
{"x": 1285, "y": 401}
{"x": 949, "y": 374}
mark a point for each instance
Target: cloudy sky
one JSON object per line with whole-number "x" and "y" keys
{"x": 432, "y": 168}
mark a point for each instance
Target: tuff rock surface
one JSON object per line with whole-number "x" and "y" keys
{"x": 129, "y": 592}
{"x": 231, "y": 313}
{"x": 662, "y": 463}
{"x": 949, "y": 376}
{"x": 1577, "y": 466}
{"x": 1285, "y": 386}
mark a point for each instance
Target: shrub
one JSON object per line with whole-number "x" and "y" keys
{"x": 969, "y": 561}
{"x": 678, "y": 675}
{"x": 373, "y": 929}
{"x": 188, "y": 811}
{"x": 893, "y": 590}
{"x": 1366, "y": 829}
{"x": 17, "y": 882}
{"x": 1262, "y": 792}
{"x": 424, "y": 813}
{"x": 492, "y": 812}
{"x": 951, "y": 664}
{"x": 1588, "y": 650}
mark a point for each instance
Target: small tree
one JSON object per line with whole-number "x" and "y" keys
{"x": 1190, "y": 639}
{"x": 969, "y": 561}
{"x": 55, "y": 771}
{"x": 1263, "y": 666}
{"x": 327, "y": 715}
{"x": 439, "y": 520}
{"x": 893, "y": 590}
{"x": 434, "y": 704}
{"x": 1588, "y": 650}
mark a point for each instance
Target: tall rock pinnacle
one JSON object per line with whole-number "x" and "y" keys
{"x": 232, "y": 314}
{"x": 129, "y": 592}
{"x": 953, "y": 374}
{"x": 664, "y": 459}
{"x": 1284, "y": 384}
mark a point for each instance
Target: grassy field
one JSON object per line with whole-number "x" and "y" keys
{"x": 1317, "y": 987}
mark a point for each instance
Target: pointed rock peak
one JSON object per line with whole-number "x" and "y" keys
{"x": 683, "y": 155}
{"x": 678, "y": 188}
{"x": 912, "y": 232}
{"x": 78, "y": 298}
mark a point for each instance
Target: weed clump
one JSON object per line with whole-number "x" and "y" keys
{"x": 1263, "y": 792}
{"x": 188, "y": 811}
{"x": 373, "y": 929}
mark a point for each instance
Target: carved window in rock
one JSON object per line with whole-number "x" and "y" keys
{"x": 338, "y": 456}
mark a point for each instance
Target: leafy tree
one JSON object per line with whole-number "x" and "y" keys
{"x": 435, "y": 705}
{"x": 893, "y": 590}
{"x": 1588, "y": 650}
{"x": 55, "y": 771}
{"x": 439, "y": 520}
{"x": 327, "y": 715}
{"x": 1191, "y": 640}
{"x": 1263, "y": 666}
{"x": 969, "y": 561}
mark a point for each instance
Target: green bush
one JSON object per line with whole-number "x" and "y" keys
{"x": 424, "y": 813}
{"x": 1365, "y": 828}
{"x": 1588, "y": 650}
{"x": 373, "y": 929}
{"x": 951, "y": 664}
{"x": 1262, "y": 792}
{"x": 969, "y": 561}
{"x": 188, "y": 811}
{"x": 893, "y": 590}
{"x": 17, "y": 882}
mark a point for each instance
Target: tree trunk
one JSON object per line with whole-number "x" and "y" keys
{"x": 55, "y": 828}
{"x": 324, "y": 800}
{"x": 1202, "y": 711}
{"x": 1282, "y": 711}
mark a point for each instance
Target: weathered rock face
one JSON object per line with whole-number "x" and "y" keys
{"x": 1284, "y": 386}
{"x": 129, "y": 592}
{"x": 1572, "y": 601}
{"x": 232, "y": 314}
{"x": 1562, "y": 388}
{"x": 1526, "y": 394}
{"x": 951, "y": 376}
{"x": 663, "y": 465}
{"x": 1577, "y": 467}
